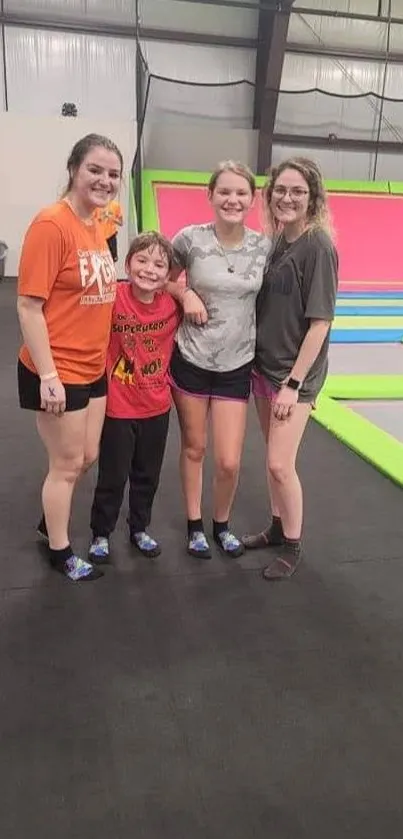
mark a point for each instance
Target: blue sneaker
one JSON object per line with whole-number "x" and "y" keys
{"x": 198, "y": 545}
{"x": 78, "y": 570}
{"x": 229, "y": 544}
{"x": 145, "y": 544}
{"x": 99, "y": 550}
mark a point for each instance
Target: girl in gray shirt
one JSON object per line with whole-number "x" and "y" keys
{"x": 212, "y": 361}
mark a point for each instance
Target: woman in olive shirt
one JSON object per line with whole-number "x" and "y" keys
{"x": 295, "y": 309}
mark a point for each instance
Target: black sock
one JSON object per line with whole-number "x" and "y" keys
{"x": 195, "y": 526}
{"x": 276, "y": 526}
{"x": 58, "y": 558}
{"x": 293, "y": 544}
{"x": 219, "y": 527}
{"x": 42, "y": 526}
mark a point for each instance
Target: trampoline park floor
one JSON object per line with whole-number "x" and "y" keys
{"x": 172, "y": 699}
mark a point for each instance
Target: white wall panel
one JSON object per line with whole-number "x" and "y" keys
{"x": 345, "y": 165}
{"x": 33, "y": 156}
{"x": 334, "y": 163}
{"x": 214, "y": 65}
{"x": 228, "y": 106}
{"x": 198, "y": 17}
{"x": 116, "y": 11}
{"x": 367, "y": 7}
{"x": 316, "y": 114}
{"x": 396, "y": 36}
{"x": 2, "y": 97}
{"x": 345, "y": 77}
{"x": 47, "y": 68}
{"x": 337, "y": 32}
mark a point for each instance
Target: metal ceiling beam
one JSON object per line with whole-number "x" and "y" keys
{"x": 113, "y": 30}
{"x": 23, "y": 19}
{"x": 272, "y": 41}
{"x": 280, "y": 6}
{"x": 341, "y": 144}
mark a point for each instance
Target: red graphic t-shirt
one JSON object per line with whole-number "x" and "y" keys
{"x": 139, "y": 354}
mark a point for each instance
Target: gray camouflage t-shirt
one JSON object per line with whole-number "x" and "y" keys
{"x": 300, "y": 285}
{"x": 227, "y": 340}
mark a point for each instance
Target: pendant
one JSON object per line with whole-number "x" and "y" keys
{"x": 231, "y": 269}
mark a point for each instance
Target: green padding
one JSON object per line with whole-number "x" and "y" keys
{"x": 132, "y": 205}
{"x": 358, "y": 186}
{"x": 396, "y": 187}
{"x": 176, "y": 176}
{"x": 345, "y": 302}
{"x": 368, "y": 322}
{"x": 364, "y": 387}
{"x": 149, "y": 204}
{"x": 374, "y": 445}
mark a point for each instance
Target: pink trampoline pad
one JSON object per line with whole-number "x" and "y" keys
{"x": 368, "y": 231}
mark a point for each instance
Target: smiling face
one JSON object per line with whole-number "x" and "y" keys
{"x": 231, "y": 198}
{"x": 148, "y": 270}
{"x": 290, "y": 199}
{"x": 96, "y": 180}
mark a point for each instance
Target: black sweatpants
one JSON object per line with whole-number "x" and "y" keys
{"x": 134, "y": 450}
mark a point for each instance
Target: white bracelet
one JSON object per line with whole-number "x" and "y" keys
{"x": 48, "y": 376}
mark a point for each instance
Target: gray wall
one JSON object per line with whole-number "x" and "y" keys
{"x": 197, "y": 148}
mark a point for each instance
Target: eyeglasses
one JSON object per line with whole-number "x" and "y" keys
{"x": 295, "y": 192}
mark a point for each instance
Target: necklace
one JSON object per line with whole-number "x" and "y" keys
{"x": 231, "y": 265}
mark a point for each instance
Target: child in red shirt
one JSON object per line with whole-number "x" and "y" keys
{"x": 144, "y": 323}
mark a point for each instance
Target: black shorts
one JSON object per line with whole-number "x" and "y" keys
{"x": 77, "y": 396}
{"x": 232, "y": 384}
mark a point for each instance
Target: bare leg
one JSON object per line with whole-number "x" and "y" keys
{"x": 229, "y": 423}
{"x": 192, "y": 414}
{"x": 63, "y": 438}
{"x": 283, "y": 443}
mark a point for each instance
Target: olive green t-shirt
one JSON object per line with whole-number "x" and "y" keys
{"x": 299, "y": 284}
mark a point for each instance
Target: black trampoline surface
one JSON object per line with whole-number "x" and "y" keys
{"x": 197, "y": 701}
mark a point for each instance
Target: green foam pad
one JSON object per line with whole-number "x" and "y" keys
{"x": 368, "y": 322}
{"x": 369, "y": 304}
{"x": 364, "y": 387}
{"x": 373, "y": 444}
{"x": 378, "y": 187}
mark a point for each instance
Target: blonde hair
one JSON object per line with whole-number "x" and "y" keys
{"x": 237, "y": 168}
{"x": 318, "y": 214}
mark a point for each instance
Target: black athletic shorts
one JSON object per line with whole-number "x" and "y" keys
{"x": 77, "y": 396}
{"x": 195, "y": 381}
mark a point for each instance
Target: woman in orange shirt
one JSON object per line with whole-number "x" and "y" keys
{"x": 66, "y": 290}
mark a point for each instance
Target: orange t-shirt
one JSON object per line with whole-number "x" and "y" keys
{"x": 68, "y": 264}
{"x": 110, "y": 217}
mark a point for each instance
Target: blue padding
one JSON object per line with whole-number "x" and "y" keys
{"x": 370, "y": 295}
{"x": 366, "y": 336}
{"x": 369, "y": 310}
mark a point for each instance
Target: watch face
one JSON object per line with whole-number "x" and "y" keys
{"x": 293, "y": 383}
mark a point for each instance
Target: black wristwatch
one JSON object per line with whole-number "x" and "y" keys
{"x": 294, "y": 384}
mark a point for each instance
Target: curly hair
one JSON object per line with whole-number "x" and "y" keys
{"x": 318, "y": 214}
